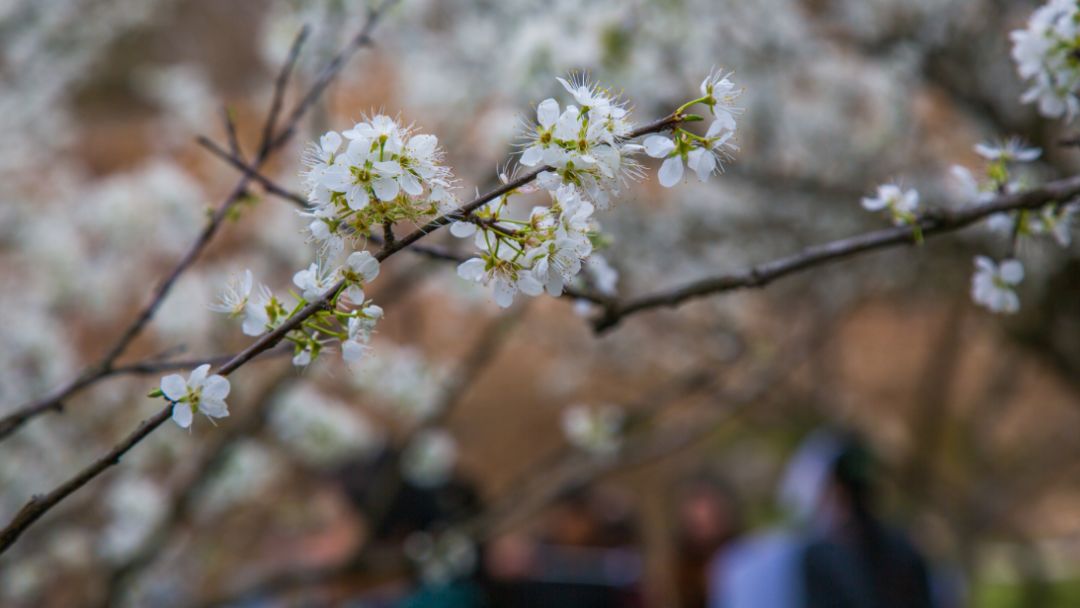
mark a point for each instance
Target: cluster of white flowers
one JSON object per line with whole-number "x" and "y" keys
{"x": 593, "y": 429}
{"x": 703, "y": 155}
{"x": 587, "y": 153}
{"x": 582, "y": 145}
{"x": 543, "y": 253}
{"x": 1046, "y": 53}
{"x": 377, "y": 173}
{"x": 994, "y": 285}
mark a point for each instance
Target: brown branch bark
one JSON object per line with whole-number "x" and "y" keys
{"x": 933, "y": 223}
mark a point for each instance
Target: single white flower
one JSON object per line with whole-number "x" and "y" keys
{"x": 721, "y": 95}
{"x": 1003, "y": 223}
{"x": 994, "y": 286}
{"x": 198, "y": 393}
{"x": 557, "y": 261}
{"x": 671, "y": 171}
{"x": 428, "y": 461}
{"x": 444, "y": 558}
{"x": 901, "y": 204}
{"x": 1010, "y": 150}
{"x": 257, "y": 311}
{"x": 703, "y": 158}
{"x": 968, "y": 186}
{"x": 314, "y": 280}
{"x": 329, "y": 144}
{"x": 547, "y": 113}
{"x": 302, "y": 357}
{"x": 359, "y": 330}
{"x": 360, "y": 269}
{"x": 234, "y": 298}
{"x": 588, "y": 95}
{"x": 594, "y": 429}
{"x": 1057, "y": 221}
{"x": 506, "y": 276}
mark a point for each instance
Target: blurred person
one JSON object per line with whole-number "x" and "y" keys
{"x": 852, "y": 558}
{"x": 707, "y": 519}
{"x": 837, "y": 553}
{"x": 586, "y": 556}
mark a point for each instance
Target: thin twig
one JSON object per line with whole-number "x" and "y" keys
{"x": 41, "y": 504}
{"x": 931, "y": 223}
{"x": 280, "y": 85}
{"x": 210, "y": 461}
{"x": 53, "y": 401}
{"x": 230, "y": 132}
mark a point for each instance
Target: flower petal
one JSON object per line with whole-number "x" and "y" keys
{"x": 215, "y": 388}
{"x": 532, "y": 155}
{"x": 214, "y": 408}
{"x": 385, "y": 188}
{"x": 658, "y": 146}
{"x": 462, "y": 229}
{"x": 181, "y": 415}
{"x": 1012, "y": 271}
{"x": 174, "y": 387}
{"x": 547, "y": 112}
{"x": 364, "y": 264}
{"x": 472, "y": 269}
{"x": 198, "y": 375}
{"x": 671, "y": 172}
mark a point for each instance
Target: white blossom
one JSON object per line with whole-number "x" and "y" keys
{"x": 234, "y": 298}
{"x": 428, "y": 461}
{"x": 442, "y": 558}
{"x": 198, "y": 393}
{"x": 1010, "y": 150}
{"x": 721, "y": 96}
{"x": 702, "y": 155}
{"x": 315, "y": 280}
{"x": 671, "y": 171}
{"x": 705, "y": 158}
{"x": 1045, "y": 54}
{"x": 257, "y": 311}
{"x": 901, "y": 204}
{"x": 968, "y": 186}
{"x": 994, "y": 286}
{"x": 1056, "y": 221}
{"x": 503, "y": 273}
{"x": 594, "y": 429}
{"x": 359, "y": 331}
{"x": 360, "y": 268}
{"x": 583, "y": 144}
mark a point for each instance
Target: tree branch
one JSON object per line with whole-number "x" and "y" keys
{"x": 51, "y": 403}
{"x": 39, "y": 505}
{"x": 932, "y": 223}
